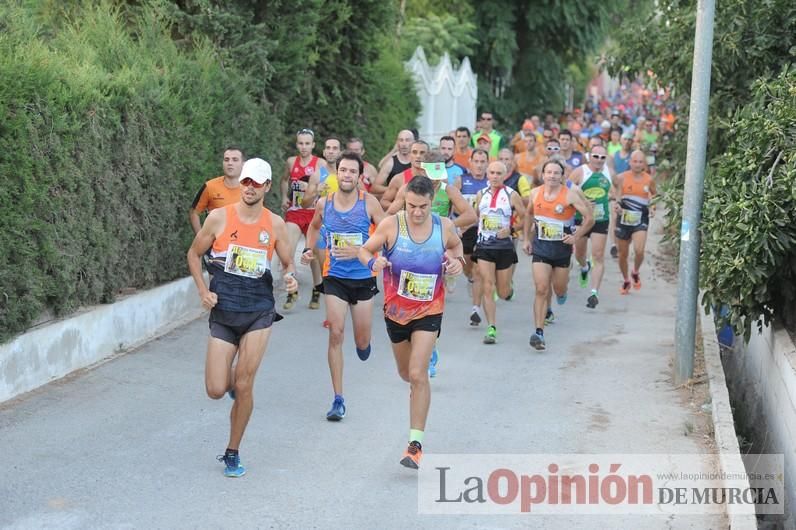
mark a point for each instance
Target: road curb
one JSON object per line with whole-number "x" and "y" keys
{"x": 55, "y": 350}
{"x": 729, "y": 452}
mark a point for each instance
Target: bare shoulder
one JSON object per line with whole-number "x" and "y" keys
{"x": 276, "y": 221}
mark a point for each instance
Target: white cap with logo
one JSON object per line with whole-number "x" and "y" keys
{"x": 256, "y": 169}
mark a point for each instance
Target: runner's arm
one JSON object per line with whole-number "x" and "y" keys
{"x": 200, "y": 203}
{"x": 528, "y": 221}
{"x": 379, "y": 185}
{"x": 377, "y": 240}
{"x": 201, "y": 244}
{"x": 314, "y": 228}
{"x": 454, "y": 250}
{"x": 467, "y": 216}
{"x": 311, "y": 192}
{"x": 284, "y": 184}
{"x": 397, "y": 203}
{"x": 374, "y": 209}
{"x": 576, "y": 198}
{"x": 391, "y": 192}
{"x": 518, "y": 205}
{"x": 282, "y": 248}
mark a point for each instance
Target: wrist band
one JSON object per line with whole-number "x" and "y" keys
{"x": 371, "y": 261}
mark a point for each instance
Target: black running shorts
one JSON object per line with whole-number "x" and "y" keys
{"x": 351, "y": 291}
{"x": 403, "y": 332}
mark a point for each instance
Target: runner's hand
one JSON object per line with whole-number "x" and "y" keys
{"x": 453, "y": 266}
{"x": 307, "y": 257}
{"x": 291, "y": 283}
{"x": 503, "y": 233}
{"x": 527, "y": 246}
{"x": 380, "y": 264}
{"x": 209, "y": 300}
{"x": 285, "y": 204}
{"x": 345, "y": 253}
{"x": 569, "y": 239}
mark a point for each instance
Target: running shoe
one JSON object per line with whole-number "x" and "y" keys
{"x": 475, "y": 318}
{"x": 614, "y": 251}
{"x": 337, "y": 412}
{"x": 549, "y": 317}
{"x": 625, "y": 288}
{"x": 561, "y": 300}
{"x": 315, "y": 301}
{"x": 432, "y": 363}
{"x": 232, "y": 466}
{"x": 636, "y": 280}
{"x": 537, "y": 342}
{"x": 291, "y": 300}
{"x": 583, "y": 279}
{"x": 412, "y": 455}
{"x": 592, "y": 301}
{"x": 491, "y": 335}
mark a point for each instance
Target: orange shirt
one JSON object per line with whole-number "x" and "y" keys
{"x": 463, "y": 159}
{"x": 215, "y": 194}
{"x": 527, "y": 163}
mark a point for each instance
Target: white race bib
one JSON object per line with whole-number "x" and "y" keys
{"x": 630, "y": 217}
{"x": 550, "y": 230}
{"x": 247, "y": 262}
{"x": 490, "y": 224}
{"x": 341, "y": 240}
{"x": 418, "y": 287}
{"x": 599, "y": 211}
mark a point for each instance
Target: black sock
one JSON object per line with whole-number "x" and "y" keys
{"x": 231, "y": 451}
{"x": 318, "y": 287}
{"x": 540, "y": 332}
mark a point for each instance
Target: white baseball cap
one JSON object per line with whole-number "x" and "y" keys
{"x": 256, "y": 169}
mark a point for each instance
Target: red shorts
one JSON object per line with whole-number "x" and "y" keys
{"x": 302, "y": 218}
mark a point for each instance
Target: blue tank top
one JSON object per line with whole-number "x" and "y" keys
{"x": 621, "y": 164}
{"x": 470, "y": 188}
{"x": 343, "y": 229}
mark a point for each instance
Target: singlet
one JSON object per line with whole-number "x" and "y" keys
{"x": 512, "y": 181}
{"x": 341, "y": 229}
{"x": 554, "y": 218}
{"x": 471, "y": 186}
{"x": 527, "y": 164}
{"x": 441, "y": 204}
{"x": 463, "y": 159}
{"x": 300, "y": 173}
{"x": 621, "y": 164}
{"x": 397, "y": 167}
{"x": 240, "y": 264}
{"x": 454, "y": 171}
{"x": 494, "y": 214}
{"x": 613, "y": 148}
{"x": 596, "y": 187}
{"x": 413, "y": 285}
{"x": 635, "y": 199}
{"x": 215, "y": 194}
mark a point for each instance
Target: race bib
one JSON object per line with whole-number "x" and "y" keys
{"x": 341, "y": 240}
{"x": 630, "y": 217}
{"x": 599, "y": 211}
{"x": 418, "y": 287}
{"x": 298, "y": 194}
{"x": 550, "y": 230}
{"x": 245, "y": 261}
{"x": 491, "y": 223}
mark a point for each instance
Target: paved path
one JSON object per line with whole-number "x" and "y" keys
{"x": 132, "y": 443}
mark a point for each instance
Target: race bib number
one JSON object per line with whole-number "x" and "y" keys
{"x": 491, "y": 223}
{"x": 342, "y": 240}
{"x": 245, "y": 261}
{"x": 630, "y": 217}
{"x": 599, "y": 211}
{"x": 551, "y": 231}
{"x": 418, "y": 287}
{"x": 298, "y": 194}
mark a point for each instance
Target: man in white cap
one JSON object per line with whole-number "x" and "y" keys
{"x": 241, "y": 238}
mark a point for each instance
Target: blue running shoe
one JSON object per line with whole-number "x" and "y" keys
{"x": 337, "y": 412}
{"x": 561, "y": 300}
{"x": 232, "y": 466}
{"x": 432, "y": 363}
{"x": 537, "y": 342}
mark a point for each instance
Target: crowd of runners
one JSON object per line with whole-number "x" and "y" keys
{"x": 428, "y": 211}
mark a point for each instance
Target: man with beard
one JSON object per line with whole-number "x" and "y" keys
{"x": 344, "y": 218}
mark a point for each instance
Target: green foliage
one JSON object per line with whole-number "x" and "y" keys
{"x": 438, "y": 35}
{"x": 752, "y": 40}
{"x": 749, "y": 215}
{"x": 105, "y": 135}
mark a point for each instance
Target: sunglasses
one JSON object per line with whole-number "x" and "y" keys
{"x": 251, "y": 182}
{"x": 306, "y": 131}
{"x": 553, "y": 148}
{"x": 598, "y": 157}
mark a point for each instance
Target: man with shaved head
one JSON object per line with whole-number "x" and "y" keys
{"x": 397, "y": 163}
{"x": 636, "y": 190}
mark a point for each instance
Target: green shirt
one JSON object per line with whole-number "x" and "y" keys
{"x": 595, "y": 187}
{"x": 441, "y": 205}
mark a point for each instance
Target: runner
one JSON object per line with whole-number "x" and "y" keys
{"x": 420, "y": 247}
{"x": 636, "y": 189}
{"x": 463, "y": 151}
{"x": 368, "y": 177}
{"x": 242, "y": 238}
{"x": 622, "y": 157}
{"x": 298, "y": 170}
{"x": 397, "y": 163}
{"x": 418, "y": 151}
{"x": 220, "y": 191}
{"x": 573, "y": 158}
{"x": 345, "y": 218}
{"x": 496, "y": 141}
{"x": 494, "y": 252}
{"x": 470, "y": 184}
{"x": 528, "y": 161}
{"x": 447, "y": 146}
{"x": 548, "y": 236}
{"x": 596, "y": 186}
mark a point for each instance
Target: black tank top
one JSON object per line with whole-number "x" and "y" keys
{"x": 398, "y": 167}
